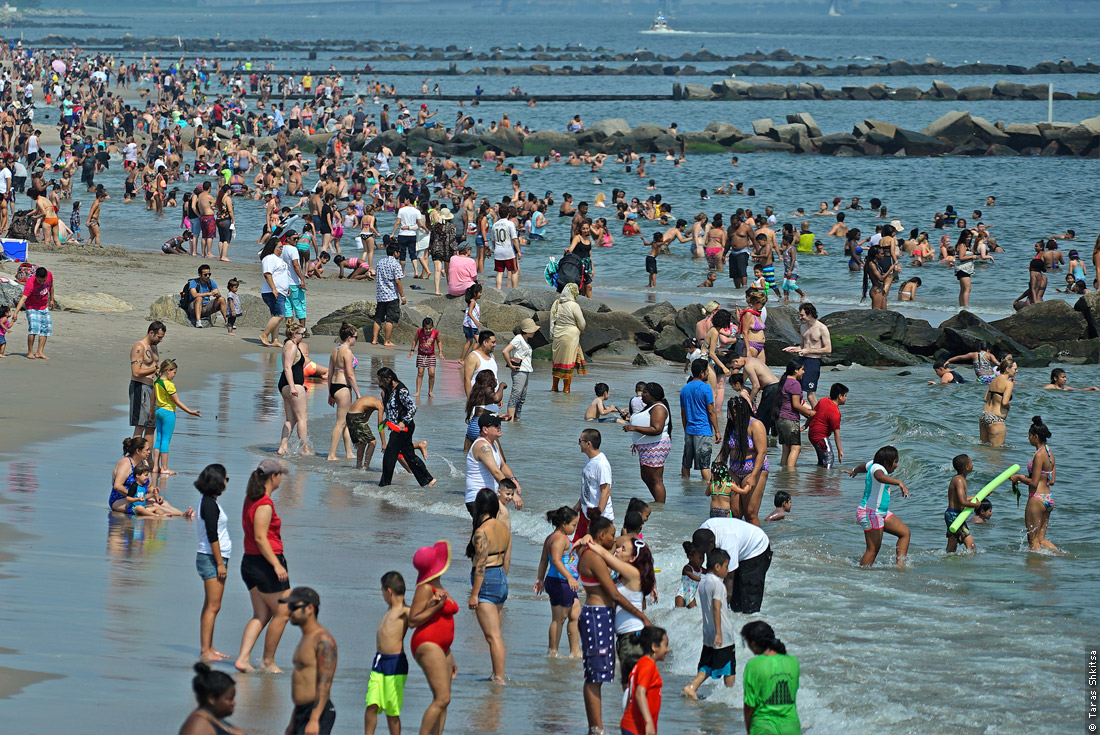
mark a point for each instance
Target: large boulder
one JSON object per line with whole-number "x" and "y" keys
{"x": 506, "y": 140}
{"x": 862, "y": 350}
{"x": 724, "y": 132}
{"x": 943, "y": 90}
{"x": 359, "y": 314}
{"x": 1081, "y": 139}
{"x": 534, "y": 298}
{"x": 628, "y": 325}
{"x": 989, "y": 132}
{"x": 921, "y": 338}
{"x": 10, "y": 293}
{"x": 763, "y": 126}
{"x": 609, "y": 127}
{"x": 97, "y": 302}
{"x": 954, "y": 128}
{"x": 781, "y": 330}
{"x": 620, "y": 349}
{"x": 767, "y": 92}
{"x": 698, "y": 92}
{"x": 888, "y": 326}
{"x": 652, "y": 314}
{"x": 541, "y": 142}
{"x": 1087, "y": 306}
{"x": 971, "y": 94}
{"x": 805, "y": 118}
{"x": 167, "y": 309}
{"x": 967, "y": 332}
{"x": 917, "y": 144}
{"x": 1053, "y": 320}
{"x": 830, "y": 144}
{"x": 687, "y": 318}
{"x": 1024, "y": 135}
{"x": 1008, "y": 90}
{"x": 496, "y": 317}
{"x": 670, "y": 345}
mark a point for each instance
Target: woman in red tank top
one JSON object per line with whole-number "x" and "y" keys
{"x": 263, "y": 566}
{"x": 432, "y": 616}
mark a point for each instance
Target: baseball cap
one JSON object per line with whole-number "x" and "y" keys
{"x": 487, "y": 419}
{"x": 303, "y": 594}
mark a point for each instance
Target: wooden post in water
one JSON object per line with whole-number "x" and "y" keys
{"x": 1050, "y": 102}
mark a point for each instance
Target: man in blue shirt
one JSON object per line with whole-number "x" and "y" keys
{"x": 205, "y": 297}
{"x": 700, "y": 421}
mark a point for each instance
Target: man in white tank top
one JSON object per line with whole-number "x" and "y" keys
{"x": 480, "y": 358}
{"x": 485, "y": 465}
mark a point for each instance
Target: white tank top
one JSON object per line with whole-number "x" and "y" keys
{"x": 642, "y": 418}
{"x": 487, "y": 363}
{"x": 624, "y": 621}
{"x": 477, "y": 474}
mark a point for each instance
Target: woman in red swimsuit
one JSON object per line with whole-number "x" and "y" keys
{"x": 432, "y": 615}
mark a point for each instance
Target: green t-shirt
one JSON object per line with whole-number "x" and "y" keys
{"x": 771, "y": 683}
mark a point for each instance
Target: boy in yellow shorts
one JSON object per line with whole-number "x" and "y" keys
{"x": 386, "y": 687}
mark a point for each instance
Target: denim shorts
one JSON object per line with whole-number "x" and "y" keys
{"x": 205, "y": 564}
{"x": 276, "y": 303}
{"x": 494, "y": 586}
{"x": 469, "y": 332}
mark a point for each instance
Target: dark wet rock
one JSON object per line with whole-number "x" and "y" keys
{"x": 652, "y": 314}
{"x": 1048, "y": 320}
{"x": 967, "y": 332}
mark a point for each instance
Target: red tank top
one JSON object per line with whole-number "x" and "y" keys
{"x": 248, "y": 520}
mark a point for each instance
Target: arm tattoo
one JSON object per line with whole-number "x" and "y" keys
{"x": 481, "y": 552}
{"x": 326, "y": 669}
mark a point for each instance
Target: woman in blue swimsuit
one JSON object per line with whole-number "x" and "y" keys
{"x": 135, "y": 450}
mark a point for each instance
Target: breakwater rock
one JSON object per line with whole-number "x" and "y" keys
{"x": 1037, "y": 335}
{"x": 955, "y": 133}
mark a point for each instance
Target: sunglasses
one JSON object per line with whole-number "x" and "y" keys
{"x": 296, "y": 606}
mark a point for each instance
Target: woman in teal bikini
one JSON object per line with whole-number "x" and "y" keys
{"x": 1040, "y": 476}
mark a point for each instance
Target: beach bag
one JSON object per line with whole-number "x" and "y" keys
{"x": 25, "y": 271}
{"x": 551, "y": 272}
{"x": 570, "y": 270}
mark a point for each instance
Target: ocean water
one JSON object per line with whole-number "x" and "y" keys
{"x": 994, "y": 642}
{"x": 110, "y": 602}
{"x": 1036, "y": 197}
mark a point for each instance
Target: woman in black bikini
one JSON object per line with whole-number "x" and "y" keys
{"x": 292, "y": 383}
{"x": 341, "y": 385}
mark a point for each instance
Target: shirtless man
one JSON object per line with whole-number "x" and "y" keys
{"x": 204, "y": 206}
{"x": 738, "y": 246}
{"x": 816, "y": 343}
{"x": 314, "y": 667}
{"x": 144, "y": 359}
{"x": 675, "y": 233}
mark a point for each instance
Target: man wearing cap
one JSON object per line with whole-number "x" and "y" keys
{"x": 485, "y": 463}
{"x": 314, "y": 667}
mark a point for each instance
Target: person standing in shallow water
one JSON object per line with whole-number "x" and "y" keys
{"x": 212, "y": 556}
{"x": 263, "y": 567}
{"x": 400, "y": 409}
{"x": 1040, "y": 476}
{"x": 314, "y": 666}
{"x": 998, "y": 400}
{"x": 490, "y": 552}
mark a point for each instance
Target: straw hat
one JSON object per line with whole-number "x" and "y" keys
{"x": 432, "y": 561}
{"x": 896, "y": 224}
{"x": 446, "y": 215}
{"x": 527, "y": 326}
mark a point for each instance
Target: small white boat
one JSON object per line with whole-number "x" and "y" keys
{"x": 660, "y": 25}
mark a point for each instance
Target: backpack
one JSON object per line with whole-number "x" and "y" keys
{"x": 185, "y": 296}
{"x": 570, "y": 270}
